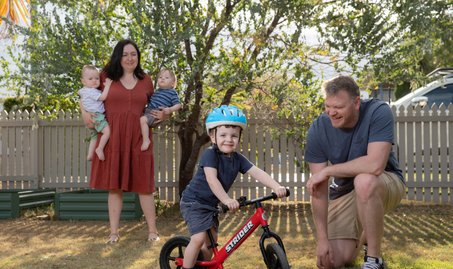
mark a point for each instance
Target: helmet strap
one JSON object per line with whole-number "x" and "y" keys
{"x": 216, "y": 148}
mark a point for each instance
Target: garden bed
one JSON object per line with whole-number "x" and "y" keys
{"x": 93, "y": 205}
{"x": 11, "y": 201}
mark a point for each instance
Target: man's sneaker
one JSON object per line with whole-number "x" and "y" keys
{"x": 373, "y": 263}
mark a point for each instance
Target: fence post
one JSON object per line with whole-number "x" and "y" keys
{"x": 34, "y": 148}
{"x": 4, "y": 149}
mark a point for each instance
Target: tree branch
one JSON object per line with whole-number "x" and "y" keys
{"x": 208, "y": 19}
{"x": 229, "y": 93}
{"x": 269, "y": 31}
{"x": 215, "y": 32}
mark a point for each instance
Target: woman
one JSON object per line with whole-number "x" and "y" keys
{"x": 126, "y": 167}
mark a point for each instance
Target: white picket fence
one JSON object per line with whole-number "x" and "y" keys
{"x": 37, "y": 153}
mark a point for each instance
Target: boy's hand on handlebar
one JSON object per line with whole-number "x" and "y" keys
{"x": 232, "y": 204}
{"x": 281, "y": 192}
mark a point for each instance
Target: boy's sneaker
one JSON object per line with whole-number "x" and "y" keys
{"x": 373, "y": 263}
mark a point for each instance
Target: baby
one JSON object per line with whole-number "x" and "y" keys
{"x": 92, "y": 100}
{"x": 165, "y": 98}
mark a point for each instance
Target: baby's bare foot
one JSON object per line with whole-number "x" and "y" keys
{"x": 145, "y": 145}
{"x": 100, "y": 154}
{"x": 90, "y": 157}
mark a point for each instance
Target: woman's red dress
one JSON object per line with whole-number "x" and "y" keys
{"x": 126, "y": 167}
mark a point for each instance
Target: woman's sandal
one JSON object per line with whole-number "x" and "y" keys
{"x": 113, "y": 241}
{"x": 153, "y": 239}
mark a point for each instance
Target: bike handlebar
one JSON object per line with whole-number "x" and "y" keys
{"x": 243, "y": 200}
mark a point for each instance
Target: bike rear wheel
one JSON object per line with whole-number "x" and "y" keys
{"x": 175, "y": 248}
{"x": 276, "y": 257}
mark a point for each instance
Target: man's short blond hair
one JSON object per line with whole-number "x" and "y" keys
{"x": 346, "y": 83}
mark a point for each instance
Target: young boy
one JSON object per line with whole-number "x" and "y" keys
{"x": 217, "y": 170}
{"x": 164, "y": 98}
{"x": 92, "y": 101}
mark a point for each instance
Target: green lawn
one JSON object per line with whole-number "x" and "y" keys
{"x": 417, "y": 235}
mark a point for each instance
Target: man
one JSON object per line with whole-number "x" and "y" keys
{"x": 356, "y": 136}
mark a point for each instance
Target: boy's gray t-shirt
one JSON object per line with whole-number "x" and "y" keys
{"x": 227, "y": 170}
{"x": 326, "y": 143}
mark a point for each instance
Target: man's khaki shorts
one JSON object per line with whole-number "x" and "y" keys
{"x": 343, "y": 219}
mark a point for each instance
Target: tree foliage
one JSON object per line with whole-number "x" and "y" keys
{"x": 396, "y": 41}
{"x": 62, "y": 39}
{"x": 224, "y": 51}
{"x": 220, "y": 50}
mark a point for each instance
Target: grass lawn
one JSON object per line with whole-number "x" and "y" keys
{"x": 417, "y": 235}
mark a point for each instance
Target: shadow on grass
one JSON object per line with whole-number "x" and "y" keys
{"x": 416, "y": 235}
{"x": 31, "y": 243}
{"x": 420, "y": 223}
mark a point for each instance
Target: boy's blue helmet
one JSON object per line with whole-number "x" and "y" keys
{"x": 226, "y": 115}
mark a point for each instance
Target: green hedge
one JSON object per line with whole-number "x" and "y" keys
{"x": 13, "y": 104}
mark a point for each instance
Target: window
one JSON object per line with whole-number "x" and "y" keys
{"x": 440, "y": 95}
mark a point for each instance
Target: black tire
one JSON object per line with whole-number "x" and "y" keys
{"x": 175, "y": 248}
{"x": 276, "y": 257}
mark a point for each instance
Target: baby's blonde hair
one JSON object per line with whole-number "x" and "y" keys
{"x": 88, "y": 67}
{"x": 172, "y": 74}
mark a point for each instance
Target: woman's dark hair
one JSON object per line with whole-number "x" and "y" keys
{"x": 113, "y": 68}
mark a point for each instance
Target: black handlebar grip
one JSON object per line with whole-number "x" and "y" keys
{"x": 225, "y": 208}
{"x": 275, "y": 195}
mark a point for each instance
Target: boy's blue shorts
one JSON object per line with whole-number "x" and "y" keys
{"x": 199, "y": 217}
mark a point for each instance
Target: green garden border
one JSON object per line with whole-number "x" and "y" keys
{"x": 93, "y": 205}
{"x": 12, "y": 200}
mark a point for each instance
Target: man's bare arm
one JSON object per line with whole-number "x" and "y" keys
{"x": 372, "y": 163}
{"x": 320, "y": 202}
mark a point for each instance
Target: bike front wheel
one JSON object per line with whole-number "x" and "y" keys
{"x": 276, "y": 257}
{"x": 175, "y": 248}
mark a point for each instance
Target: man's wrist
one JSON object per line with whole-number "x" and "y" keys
{"x": 322, "y": 239}
{"x": 326, "y": 172}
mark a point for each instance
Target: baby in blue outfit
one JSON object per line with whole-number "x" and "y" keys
{"x": 165, "y": 98}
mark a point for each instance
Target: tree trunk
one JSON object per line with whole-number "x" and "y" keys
{"x": 189, "y": 157}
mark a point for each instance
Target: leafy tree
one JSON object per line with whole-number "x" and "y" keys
{"x": 292, "y": 106}
{"x": 235, "y": 44}
{"x": 402, "y": 89}
{"x": 399, "y": 41}
{"x": 221, "y": 52}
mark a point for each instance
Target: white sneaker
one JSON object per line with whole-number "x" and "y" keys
{"x": 373, "y": 263}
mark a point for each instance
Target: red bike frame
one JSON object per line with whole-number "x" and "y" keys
{"x": 246, "y": 230}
